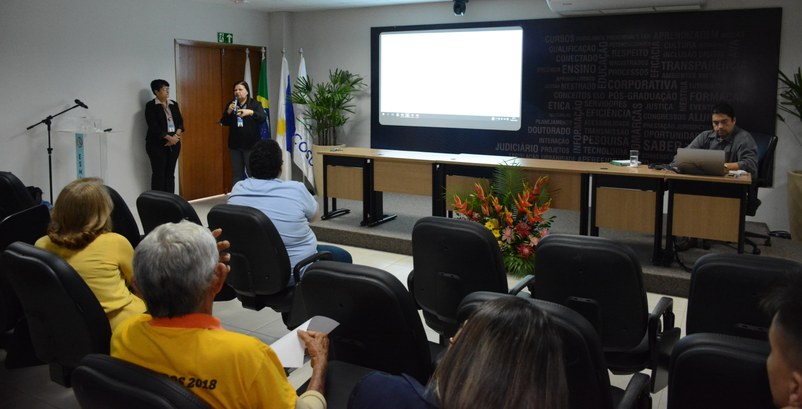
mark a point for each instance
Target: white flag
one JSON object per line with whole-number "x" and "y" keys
{"x": 281, "y": 126}
{"x": 247, "y": 77}
{"x": 302, "y": 145}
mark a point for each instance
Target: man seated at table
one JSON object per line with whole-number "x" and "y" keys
{"x": 177, "y": 273}
{"x": 287, "y": 203}
{"x": 740, "y": 150}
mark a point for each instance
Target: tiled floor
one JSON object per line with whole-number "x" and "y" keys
{"x": 31, "y": 388}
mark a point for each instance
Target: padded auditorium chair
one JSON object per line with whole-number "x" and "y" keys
{"x": 25, "y": 226}
{"x": 65, "y": 320}
{"x": 602, "y": 280}
{"x": 101, "y": 382}
{"x": 260, "y": 266}
{"x": 452, "y": 258}
{"x": 719, "y": 371}
{"x": 726, "y": 291}
{"x": 14, "y": 196}
{"x": 766, "y": 146}
{"x": 379, "y": 325}
{"x": 156, "y": 207}
{"x": 586, "y": 370}
{"x": 122, "y": 220}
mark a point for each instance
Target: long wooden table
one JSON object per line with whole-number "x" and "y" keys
{"x": 627, "y": 198}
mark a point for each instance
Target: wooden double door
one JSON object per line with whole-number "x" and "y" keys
{"x": 205, "y": 75}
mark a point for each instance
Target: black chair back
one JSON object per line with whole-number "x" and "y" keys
{"x": 14, "y": 196}
{"x": 156, "y": 208}
{"x": 122, "y": 220}
{"x": 452, "y": 258}
{"x": 602, "y": 280}
{"x": 379, "y": 325}
{"x": 586, "y": 368}
{"x": 102, "y": 381}
{"x": 65, "y": 319}
{"x": 766, "y": 146}
{"x": 599, "y": 278}
{"x": 26, "y": 226}
{"x": 260, "y": 266}
{"x": 726, "y": 291}
{"x": 719, "y": 371}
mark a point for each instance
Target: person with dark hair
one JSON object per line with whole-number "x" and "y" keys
{"x": 178, "y": 273}
{"x": 244, "y": 117}
{"x": 740, "y": 149}
{"x": 784, "y": 364}
{"x": 288, "y": 204}
{"x": 80, "y": 233}
{"x": 507, "y": 355}
{"x": 163, "y": 140}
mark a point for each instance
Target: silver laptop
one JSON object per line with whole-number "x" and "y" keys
{"x": 701, "y": 162}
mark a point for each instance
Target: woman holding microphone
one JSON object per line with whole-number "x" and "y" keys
{"x": 244, "y": 117}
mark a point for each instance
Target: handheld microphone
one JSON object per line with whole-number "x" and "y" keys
{"x": 236, "y": 106}
{"x": 81, "y": 104}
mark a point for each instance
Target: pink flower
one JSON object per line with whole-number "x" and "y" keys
{"x": 544, "y": 232}
{"x": 507, "y": 235}
{"x": 525, "y": 251}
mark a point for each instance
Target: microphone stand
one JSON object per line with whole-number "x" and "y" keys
{"x": 47, "y": 121}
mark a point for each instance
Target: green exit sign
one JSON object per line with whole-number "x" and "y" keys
{"x": 226, "y": 38}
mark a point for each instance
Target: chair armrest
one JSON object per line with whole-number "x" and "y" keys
{"x": 665, "y": 310}
{"x": 636, "y": 395}
{"x": 528, "y": 282}
{"x": 411, "y": 288}
{"x": 296, "y": 271}
{"x": 662, "y": 335}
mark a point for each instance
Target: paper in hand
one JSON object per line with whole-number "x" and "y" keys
{"x": 290, "y": 349}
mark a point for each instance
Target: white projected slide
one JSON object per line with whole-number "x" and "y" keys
{"x": 465, "y": 78}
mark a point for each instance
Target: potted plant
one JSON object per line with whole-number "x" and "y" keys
{"x": 514, "y": 211}
{"x": 327, "y": 103}
{"x": 791, "y": 103}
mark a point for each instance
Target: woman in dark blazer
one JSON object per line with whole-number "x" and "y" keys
{"x": 244, "y": 117}
{"x": 163, "y": 141}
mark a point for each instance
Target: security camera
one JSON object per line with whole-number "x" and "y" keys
{"x": 459, "y": 7}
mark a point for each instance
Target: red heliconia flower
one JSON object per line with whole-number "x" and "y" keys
{"x": 485, "y": 210}
{"x": 459, "y": 205}
{"x": 508, "y": 217}
{"x": 496, "y": 205}
{"x": 480, "y": 193}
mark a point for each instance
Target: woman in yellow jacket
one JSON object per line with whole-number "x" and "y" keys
{"x": 80, "y": 232}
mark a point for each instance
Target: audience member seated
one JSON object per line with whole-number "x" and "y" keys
{"x": 507, "y": 355}
{"x": 178, "y": 274}
{"x": 784, "y": 364}
{"x": 288, "y": 204}
{"x": 80, "y": 232}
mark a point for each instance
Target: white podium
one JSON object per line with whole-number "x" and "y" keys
{"x": 77, "y": 154}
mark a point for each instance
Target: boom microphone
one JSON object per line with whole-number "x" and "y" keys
{"x": 81, "y": 104}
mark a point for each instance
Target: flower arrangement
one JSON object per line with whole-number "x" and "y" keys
{"x": 514, "y": 212}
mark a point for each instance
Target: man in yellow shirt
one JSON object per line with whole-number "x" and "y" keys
{"x": 176, "y": 271}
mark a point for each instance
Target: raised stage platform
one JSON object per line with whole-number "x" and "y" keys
{"x": 395, "y": 237}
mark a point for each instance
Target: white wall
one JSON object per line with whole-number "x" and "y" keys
{"x": 342, "y": 39}
{"x": 104, "y": 52}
